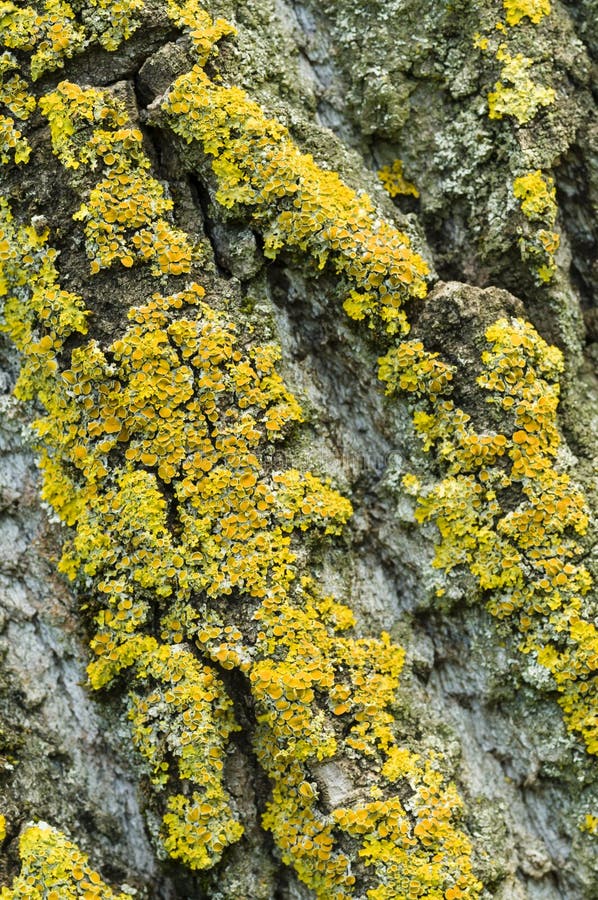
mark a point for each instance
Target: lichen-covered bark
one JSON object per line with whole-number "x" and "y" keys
{"x": 275, "y": 744}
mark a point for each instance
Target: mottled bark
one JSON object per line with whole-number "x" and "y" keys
{"x": 358, "y": 84}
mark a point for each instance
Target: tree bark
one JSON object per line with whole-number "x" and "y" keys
{"x": 471, "y": 127}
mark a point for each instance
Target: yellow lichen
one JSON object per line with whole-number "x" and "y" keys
{"x": 13, "y": 142}
{"x": 18, "y": 104}
{"x": 176, "y": 401}
{"x": 185, "y": 716}
{"x": 167, "y": 424}
{"x": 204, "y": 31}
{"x": 297, "y": 204}
{"x": 50, "y": 32}
{"x": 466, "y": 505}
{"x": 111, "y": 21}
{"x": 534, "y": 10}
{"x": 516, "y": 93}
{"x": 394, "y": 181}
{"x": 125, "y": 214}
{"x": 53, "y": 868}
{"x": 357, "y": 680}
{"x": 411, "y": 858}
{"x": 537, "y": 194}
{"x": 411, "y": 368}
{"x": 525, "y": 556}
{"x": 590, "y": 824}
{"x": 48, "y": 29}
{"x": 278, "y": 187}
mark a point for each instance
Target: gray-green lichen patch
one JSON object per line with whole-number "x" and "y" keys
{"x": 409, "y": 76}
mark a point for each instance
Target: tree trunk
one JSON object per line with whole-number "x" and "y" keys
{"x": 396, "y": 199}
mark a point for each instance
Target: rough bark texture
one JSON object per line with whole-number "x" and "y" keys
{"x": 358, "y": 83}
